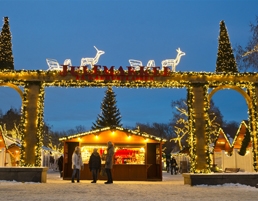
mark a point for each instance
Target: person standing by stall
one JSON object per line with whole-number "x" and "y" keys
{"x": 51, "y": 161}
{"x": 173, "y": 164}
{"x": 95, "y": 164}
{"x": 77, "y": 163}
{"x": 167, "y": 164}
{"x": 109, "y": 162}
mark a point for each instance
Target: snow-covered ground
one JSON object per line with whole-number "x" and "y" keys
{"x": 171, "y": 188}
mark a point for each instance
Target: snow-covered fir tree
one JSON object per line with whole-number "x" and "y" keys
{"x": 110, "y": 115}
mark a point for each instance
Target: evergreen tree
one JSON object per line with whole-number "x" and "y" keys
{"x": 110, "y": 115}
{"x": 6, "y": 54}
{"x": 245, "y": 143}
{"x": 225, "y": 58}
{"x": 11, "y": 118}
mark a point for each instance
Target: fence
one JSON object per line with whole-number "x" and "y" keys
{"x": 245, "y": 163}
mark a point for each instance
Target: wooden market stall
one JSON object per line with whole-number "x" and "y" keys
{"x": 234, "y": 153}
{"x": 137, "y": 155}
{"x": 9, "y": 150}
{"x": 223, "y": 143}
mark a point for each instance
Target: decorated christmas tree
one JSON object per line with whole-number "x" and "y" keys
{"x": 6, "y": 54}
{"x": 110, "y": 115}
{"x": 225, "y": 59}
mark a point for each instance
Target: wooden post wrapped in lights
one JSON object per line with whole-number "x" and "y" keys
{"x": 197, "y": 83}
{"x": 34, "y": 82}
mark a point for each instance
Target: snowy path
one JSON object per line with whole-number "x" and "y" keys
{"x": 171, "y": 188}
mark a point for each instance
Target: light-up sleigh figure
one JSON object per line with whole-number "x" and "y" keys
{"x": 136, "y": 64}
{"x": 173, "y": 62}
{"x": 54, "y": 65}
{"x": 92, "y": 61}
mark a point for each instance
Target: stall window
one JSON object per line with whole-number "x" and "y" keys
{"x": 129, "y": 155}
{"x": 87, "y": 150}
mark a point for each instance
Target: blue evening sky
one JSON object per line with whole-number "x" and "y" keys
{"x": 124, "y": 29}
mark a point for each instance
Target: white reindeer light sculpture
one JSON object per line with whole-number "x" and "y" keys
{"x": 173, "y": 62}
{"x": 92, "y": 61}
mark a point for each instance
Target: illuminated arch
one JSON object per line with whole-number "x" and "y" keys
{"x": 16, "y": 88}
{"x": 238, "y": 89}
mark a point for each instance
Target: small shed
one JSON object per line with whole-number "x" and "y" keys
{"x": 138, "y": 155}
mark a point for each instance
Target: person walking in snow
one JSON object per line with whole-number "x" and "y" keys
{"x": 60, "y": 165}
{"x": 51, "y": 161}
{"x": 173, "y": 164}
{"x": 167, "y": 164}
{"x": 77, "y": 163}
{"x": 95, "y": 164}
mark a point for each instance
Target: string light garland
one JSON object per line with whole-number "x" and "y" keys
{"x": 152, "y": 77}
{"x": 253, "y": 121}
{"x": 188, "y": 80}
{"x": 96, "y": 131}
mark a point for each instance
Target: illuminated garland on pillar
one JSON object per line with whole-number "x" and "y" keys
{"x": 253, "y": 122}
{"x": 40, "y": 124}
{"x": 192, "y": 136}
{"x": 207, "y": 129}
{"x": 192, "y": 128}
{"x": 187, "y": 80}
{"x": 23, "y": 125}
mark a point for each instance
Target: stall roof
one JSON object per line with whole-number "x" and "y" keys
{"x": 131, "y": 132}
{"x": 9, "y": 141}
{"x": 223, "y": 137}
{"x": 224, "y": 143}
{"x": 240, "y": 135}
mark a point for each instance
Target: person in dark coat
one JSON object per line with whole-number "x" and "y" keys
{"x": 167, "y": 164}
{"x": 51, "y": 161}
{"x": 95, "y": 164}
{"x": 109, "y": 162}
{"x": 173, "y": 164}
{"x": 60, "y": 165}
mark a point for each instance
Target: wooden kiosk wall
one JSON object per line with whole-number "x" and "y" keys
{"x": 150, "y": 170}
